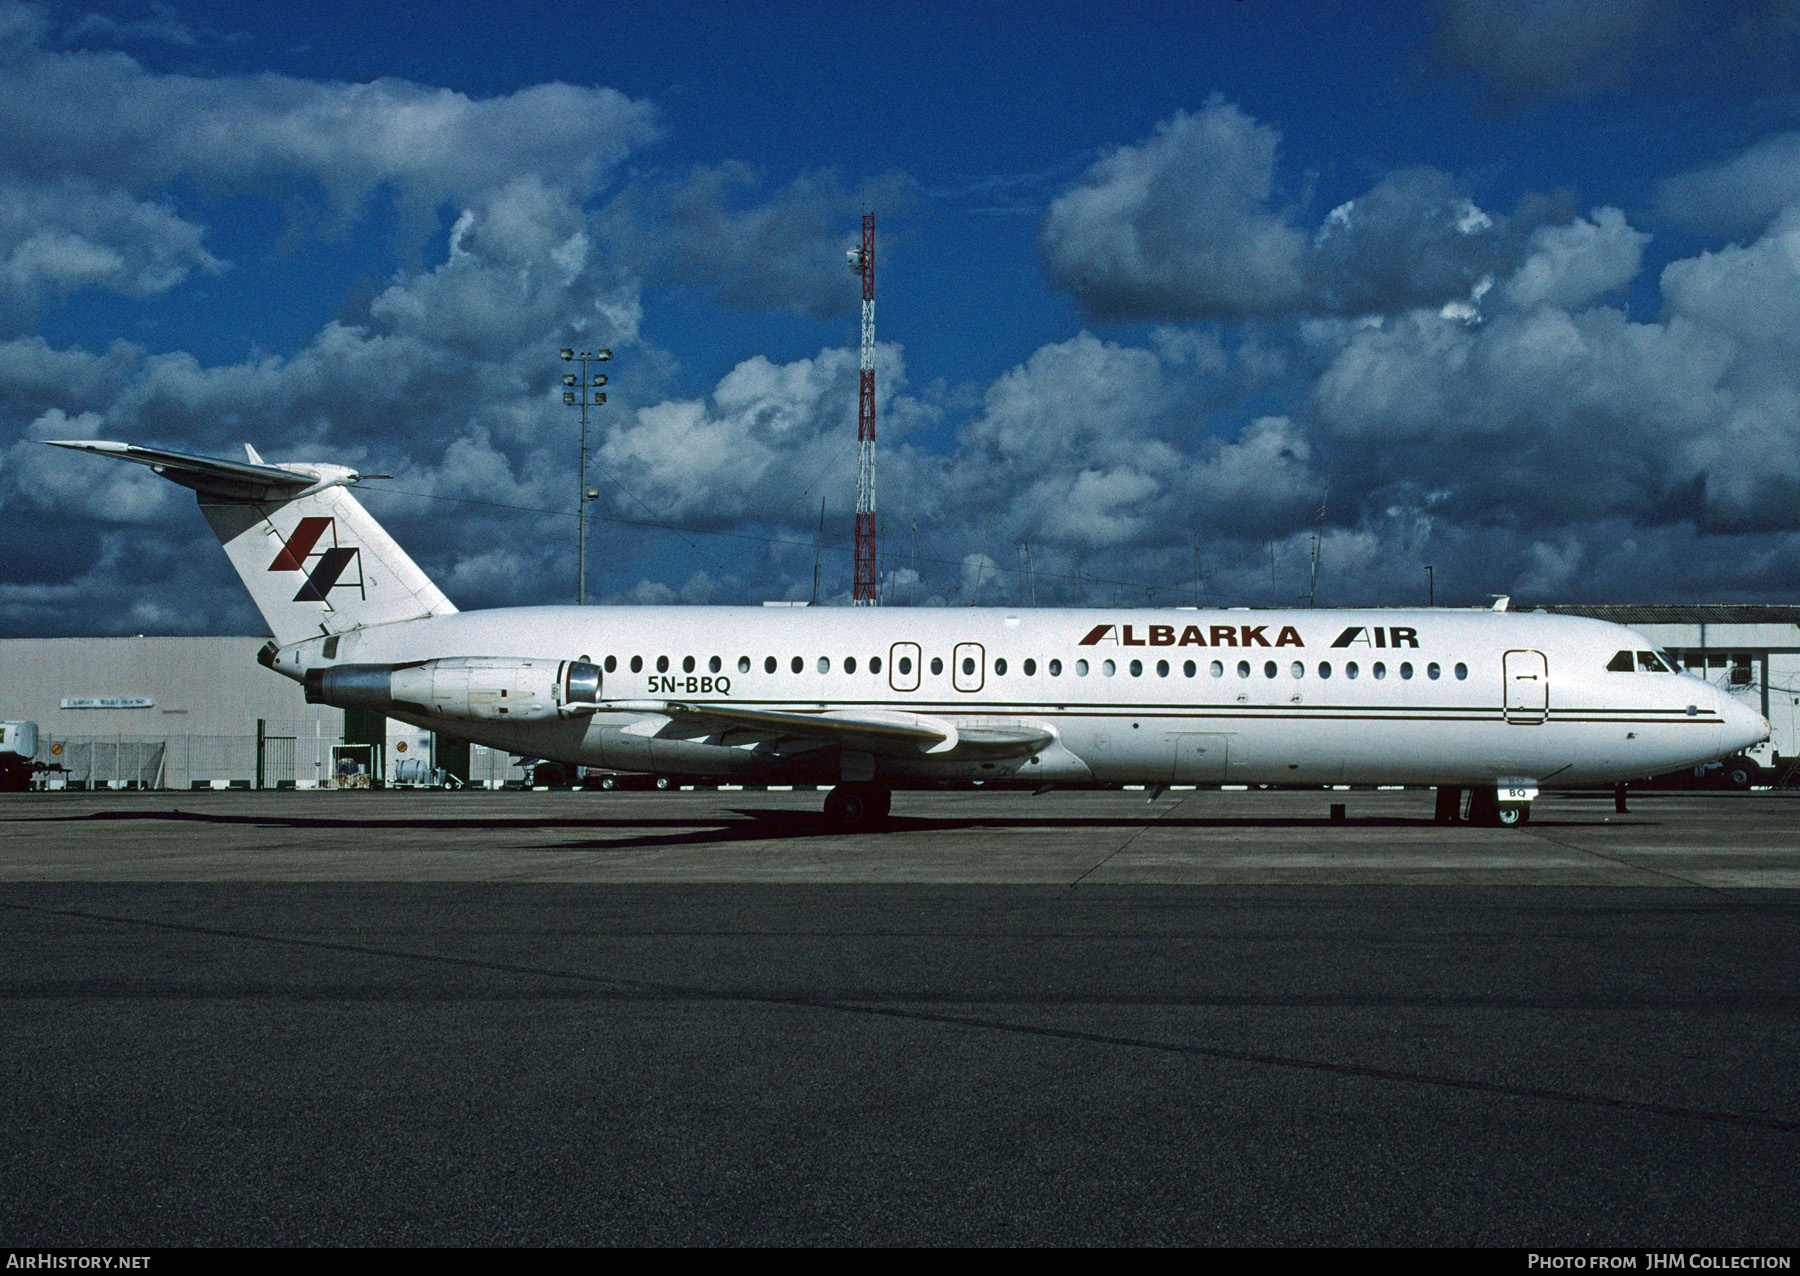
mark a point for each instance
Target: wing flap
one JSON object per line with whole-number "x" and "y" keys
{"x": 887, "y": 732}
{"x": 869, "y": 731}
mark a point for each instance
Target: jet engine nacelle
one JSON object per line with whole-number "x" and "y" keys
{"x": 469, "y": 688}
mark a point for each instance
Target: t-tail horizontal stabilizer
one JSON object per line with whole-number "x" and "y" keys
{"x": 309, "y": 553}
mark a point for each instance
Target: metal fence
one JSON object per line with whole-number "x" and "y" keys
{"x": 492, "y": 768}
{"x": 110, "y": 762}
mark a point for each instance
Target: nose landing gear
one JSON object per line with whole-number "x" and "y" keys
{"x": 1485, "y": 807}
{"x": 853, "y": 808}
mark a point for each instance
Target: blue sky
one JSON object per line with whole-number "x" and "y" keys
{"x": 1500, "y": 287}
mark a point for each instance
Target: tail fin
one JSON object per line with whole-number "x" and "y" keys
{"x": 311, "y": 556}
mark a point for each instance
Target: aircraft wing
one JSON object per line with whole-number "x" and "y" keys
{"x": 865, "y": 730}
{"x": 210, "y": 477}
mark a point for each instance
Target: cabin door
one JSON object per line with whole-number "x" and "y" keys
{"x": 1527, "y": 687}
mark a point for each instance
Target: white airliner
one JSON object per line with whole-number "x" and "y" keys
{"x": 872, "y": 699}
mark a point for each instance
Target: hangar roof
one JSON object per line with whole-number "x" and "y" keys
{"x": 1682, "y": 613}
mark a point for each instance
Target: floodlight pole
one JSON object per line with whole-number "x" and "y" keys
{"x": 585, "y": 392}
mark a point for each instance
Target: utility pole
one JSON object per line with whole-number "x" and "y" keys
{"x": 1430, "y": 587}
{"x": 586, "y": 392}
{"x": 864, "y": 592}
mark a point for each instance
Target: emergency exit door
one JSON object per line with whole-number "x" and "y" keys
{"x": 1527, "y": 686}
{"x": 968, "y": 668}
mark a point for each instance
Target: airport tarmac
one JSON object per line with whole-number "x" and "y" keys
{"x": 1204, "y": 836}
{"x": 1218, "y": 1018}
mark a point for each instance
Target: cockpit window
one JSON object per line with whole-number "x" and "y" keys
{"x": 1620, "y": 663}
{"x": 1642, "y": 662}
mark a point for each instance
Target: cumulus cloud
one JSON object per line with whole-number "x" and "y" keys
{"x": 139, "y": 130}
{"x": 57, "y": 237}
{"x": 1545, "y": 48}
{"x": 1570, "y": 265}
{"x": 1186, "y": 226}
{"x": 785, "y": 252}
{"x": 1742, "y": 196}
{"x": 1179, "y": 226}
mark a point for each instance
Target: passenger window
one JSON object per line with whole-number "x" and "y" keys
{"x": 1218, "y": 669}
{"x": 1055, "y": 668}
{"x": 797, "y": 663}
{"x": 937, "y": 665}
{"x": 1137, "y": 669}
{"x": 612, "y": 663}
{"x": 1298, "y": 670}
{"x": 1030, "y": 668}
{"x": 743, "y": 664}
{"x": 1081, "y": 668}
{"x": 849, "y": 664}
{"x": 1324, "y": 669}
{"x": 1108, "y": 668}
{"x": 1268, "y": 669}
{"x": 1189, "y": 669}
{"x": 712, "y": 666}
{"x": 1620, "y": 663}
{"x": 1380, "y": 671}
{"x": 875, "y": 665}
{"x": 905, "y": 666}
{"x": 687, "y": 664}
{"x": 662, "y": 664}
{"x": 1462, "y": 671}
{"x": 1162, "y": 669}
{"x": 769, "y": 665}
{"x": 637, "y": 664}
{"x": 999, "y": 667}
{"x": 1350, "y": 669}
{"x": 824, "y": 664}
{"x": 968, "y": 666}
{"x": 1243, "y": 668}
{"x": 1406, "y": 670}
{"x": 1432, "y": 671}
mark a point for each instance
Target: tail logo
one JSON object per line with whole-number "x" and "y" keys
{"x": 327, "y": 572}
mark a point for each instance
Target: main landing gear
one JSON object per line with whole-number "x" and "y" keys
{"x": 852, "y": 808}
{"x": 1484, "y": 807}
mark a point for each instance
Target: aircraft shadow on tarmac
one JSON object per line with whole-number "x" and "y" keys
{"x": 762, "y": 824}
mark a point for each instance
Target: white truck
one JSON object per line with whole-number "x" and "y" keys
{"x": 18, "y": 751}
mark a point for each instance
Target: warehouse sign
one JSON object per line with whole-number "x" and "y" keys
{"x": 106, "y": 702}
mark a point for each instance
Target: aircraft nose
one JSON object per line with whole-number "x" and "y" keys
{"x": 1744, "y": 727}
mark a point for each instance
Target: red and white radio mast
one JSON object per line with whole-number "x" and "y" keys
{"x": 862, "y": 260}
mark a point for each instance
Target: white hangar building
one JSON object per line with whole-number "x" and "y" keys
{"x": 179, "y": 713}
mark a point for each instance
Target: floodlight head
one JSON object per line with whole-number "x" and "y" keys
{"x": 593, "y": 494}
{"x": 568, "y": 378}
{"x": 568, "y": 354}
{"x": 569, "y": 397}
{"x": 602, "y": 355}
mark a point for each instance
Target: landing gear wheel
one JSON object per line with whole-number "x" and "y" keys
{"x": 1512, "y": 814}
{"x": 662, "y": 782}
{"x": 854, "y": 807}
{"x": 609, "y": 782}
